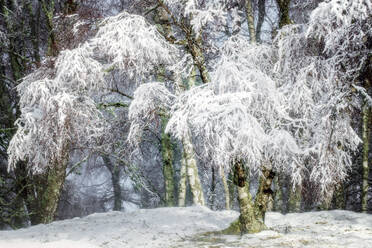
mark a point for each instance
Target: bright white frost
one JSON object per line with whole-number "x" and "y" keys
{"x": 316, "y": 69}
{"x": 241, "y": 115}
{"x": 129, "y": 43}
{"x": 333, "y": 21}
{"x": 199, "y": 12}
{"x": 51, "y": 123}
{"x": 57, "y": 112}
{"x": 150, "y": 101}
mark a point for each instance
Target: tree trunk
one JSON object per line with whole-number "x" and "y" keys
{"x": 48, "y": 9}
{"x": 338, "y": 201}
{"x": 43, "y": 193}
{"x": 192, "y": 172}
{"x": 115, "y": 179}
{"x": 213, "y": 189}
{"x": 279, "y": 194}
{"x": 194, "y": 45}
{"x": 294, "y": 200}
{"x": 366, "y": 136}
{"x": 250, "y": 20}
{"x": 182, "y": 184}
{"x": 264, "y": 194}
{"x": 50, "y": 197}
{"x": 261, "y": 18}
{"x": 249, "y": 222}
{"x": 284, "y": 18}
{"x": 226, "y": 188}
{"x": 167, "y": 153}
{"x": 34, "y": 25}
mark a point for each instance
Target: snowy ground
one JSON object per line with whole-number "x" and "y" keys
{"x": 184, "y": 227}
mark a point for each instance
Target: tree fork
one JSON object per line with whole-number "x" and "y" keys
{"x": 249, "y": 222}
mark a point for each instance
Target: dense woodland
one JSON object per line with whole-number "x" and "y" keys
{"x": 252, "y": 105}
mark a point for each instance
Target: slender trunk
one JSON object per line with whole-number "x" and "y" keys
{"x": 261, "y": 18}
{"x": 232, "y": 188}
{"x": 15, "y": 64}
{"x": 278, "y": 195}
{"x": 366, "y": 136}
{"x": 182, "y": 183}
{"x": 213, "y": 189}
{"x": 115, "y": 179}
{"x": 34, "y": 24}
{"x": 338, "y": 201}
{"x": 194, "y": 45}
{"x": 192, "y": 172}
{"x": 48, "y": 9}
{"x": 250, "y": 20}
{"x": 294, "y": 200}
{"x": 167, "y": 154}
{"x": 226, "y": 188}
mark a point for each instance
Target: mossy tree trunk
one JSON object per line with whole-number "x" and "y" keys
{"x": 264, "y": 195}
{"x": 249, "y": 221}
{"x": 43, "y": 191}
{"x": 167, "y": 154}
{"x": 162, "y": 21}
{"x": 284, "y": 17}
{"x": 366, "y": 77}
{"x": 48, "y": 9}
{"x": 43, "y": 194}
{"x": 338, "y": 201}
{"x": 182, "y": 183}
{"x": 50, "y": 197}
{"x": 195, "y": 47}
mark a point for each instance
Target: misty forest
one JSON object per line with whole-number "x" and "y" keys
{"x": 185, "y": 123}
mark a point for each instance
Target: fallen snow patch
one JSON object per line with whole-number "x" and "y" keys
{"x": 184, "y": 227}
{"x": 159, "y": 227}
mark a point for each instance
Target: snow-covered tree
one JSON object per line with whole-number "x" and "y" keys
{"x": 319, "y": 66}
{"x": 58, "y": 108}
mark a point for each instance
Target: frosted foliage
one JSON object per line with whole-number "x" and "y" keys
{"x": 77, "y": 69}
{"x": 319, "y": 82}
{"x": 50, "y": 124}
{"x": 131, "y": 44}
{"x": 199, "y": 12}
{"x": 241, "y": 115}
{"x": 242, "y": 62}
{"x": 56, "y": 109}
{"x": 332, "y": 21}
{"x": 150, "y": 101}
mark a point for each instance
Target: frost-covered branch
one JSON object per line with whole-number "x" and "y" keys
{"x": 57, "y": 105}
{"x": 52, "y": 121}
{"x": 150, "y": 101}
